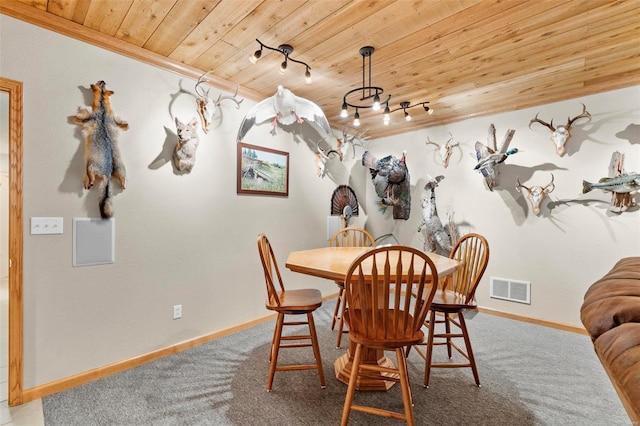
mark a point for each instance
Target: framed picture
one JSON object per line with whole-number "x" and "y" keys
{"x": 262, "y": 171}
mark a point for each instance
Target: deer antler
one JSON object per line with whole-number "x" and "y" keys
{"x": 537, "y": 120}
{"x": 584, "y": 114}
{"x": 231, "y": 98}
{"x": 450, "y": 139}
{"x": 343, "y": 144}
{"x": 321, "y": 158}
{"x": 199, "y": 91}
{"x": 430, "y": 142}
{"x": 550, "y": 184}
{"x": 325, "y": 154}
{"x": 519, "y": 185}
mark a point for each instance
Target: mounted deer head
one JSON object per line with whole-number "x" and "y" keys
{"x": 207, "y": 107}
{"x": 445, "y": 150}
{"x": 561, "y": 134}
{"x": 343, "y": 144}
{"x": 536, "y": 194}
{"x": 321, "y": 158}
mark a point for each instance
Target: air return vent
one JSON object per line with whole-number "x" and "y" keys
{"x": 512, "y": 290}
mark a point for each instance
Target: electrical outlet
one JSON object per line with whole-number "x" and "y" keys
{"x": 177, "y": 311}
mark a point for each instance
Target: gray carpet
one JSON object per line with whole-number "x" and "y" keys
{"x": 530, "y": 375}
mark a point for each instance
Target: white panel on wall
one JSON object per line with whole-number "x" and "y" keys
{"x": 93, "y": 241}
{"x": 334, "y": 223}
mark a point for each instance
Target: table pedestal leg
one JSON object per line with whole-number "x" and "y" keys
{"x": 343, "y": 365}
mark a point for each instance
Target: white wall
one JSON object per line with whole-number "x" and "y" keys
{"x": 190, "y": 239}
{"x": 186, "y": 240}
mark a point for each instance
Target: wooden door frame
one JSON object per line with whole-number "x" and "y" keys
{"x": 14, "y": 89}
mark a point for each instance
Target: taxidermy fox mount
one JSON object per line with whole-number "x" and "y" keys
{"x": 184, "y": 155}
{"x": 101, "y": 152}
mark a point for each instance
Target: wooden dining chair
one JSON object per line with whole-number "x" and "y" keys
{"x": 389, "y": 291}
{"x": 449, "y": 303}
{"x": 288, "y": 302}
{"x": 346, "y": 237}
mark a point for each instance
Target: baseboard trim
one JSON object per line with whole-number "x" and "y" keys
{"x": 117, "y": 367}
{"x": 537, "y": 321}
{"x": 47, "y": 389}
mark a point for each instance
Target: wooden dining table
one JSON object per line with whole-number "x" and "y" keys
{"x": 333, "y": 263}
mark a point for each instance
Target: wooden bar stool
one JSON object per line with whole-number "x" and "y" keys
{"x": 289, "y": 302}
{"x": 346, "y": 237}
{"x": 448, "y": 305}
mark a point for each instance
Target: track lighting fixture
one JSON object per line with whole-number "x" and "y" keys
{"x": 285, "y": 50}
{"x": 369, "y": 96}
{"x": 404, "y": 106}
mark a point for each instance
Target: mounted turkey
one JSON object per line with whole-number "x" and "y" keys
{"x": 391, "y": 181}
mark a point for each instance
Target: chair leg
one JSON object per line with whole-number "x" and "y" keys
{"x": 447, "y": 325}
{"x": 467, "y": 342}
{"x": 407, "y": 399}
{"x": 316, "y": 348}
{"x": 341, "y": 324}
{"x": 340, "y": 332}
{"x": 432, "y": 329}
{"x": 337, "y": 309}
{"x": 275, "y": 348}
{"x": 351, "y": 389}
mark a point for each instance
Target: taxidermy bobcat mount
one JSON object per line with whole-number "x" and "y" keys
{"x": 184, "y": 156}
{"x": 101, "y": 152}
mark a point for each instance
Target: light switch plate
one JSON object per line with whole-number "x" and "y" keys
{"x": 46, "y": 225}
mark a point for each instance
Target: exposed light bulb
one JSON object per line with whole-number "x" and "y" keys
{"x": 407, "y": 116}
{"x": 356, "y": 120}
{"x": 283, "y": 67}
{"x": 386, "y": 118}
{"x": 256, "y": 55}
{"x": 307, "y": 76}
{"x": 345, "y": 112}
{"x": 376, "y": 103}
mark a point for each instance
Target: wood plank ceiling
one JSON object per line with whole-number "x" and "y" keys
{"x": 466, "y": 57}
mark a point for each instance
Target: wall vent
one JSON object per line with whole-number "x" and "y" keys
{"x": 512, "y": 290}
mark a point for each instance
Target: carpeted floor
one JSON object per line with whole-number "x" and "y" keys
{"x": 530, "y": 375}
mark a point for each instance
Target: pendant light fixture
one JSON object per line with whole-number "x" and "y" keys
{"x": 370, "y": 97}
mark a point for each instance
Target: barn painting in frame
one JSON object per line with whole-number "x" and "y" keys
{"x": 262, "y": 171}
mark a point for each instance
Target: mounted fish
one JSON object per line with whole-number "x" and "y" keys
{"x": 623, "y": 186}
{"x": 206, "y": 106}
{"x": 620, "y": 201}
{"x": 103, "y": 161}
{"x": 536, "y": 194}
{"x": 626, "y": 183}
{"x": 392, "y": 183}
{"x": 445, "y": 150}
{"x": 344, "y": 203}
{"x": 488, "y": 157}
{"x": 560, "y": 135}
{"x": 437, "y": 238}
{"x": 283, "y": 108}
